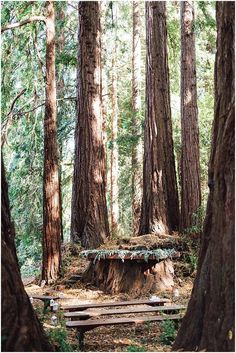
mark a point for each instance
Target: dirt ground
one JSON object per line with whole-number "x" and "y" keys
{"x": 124, "y": 338}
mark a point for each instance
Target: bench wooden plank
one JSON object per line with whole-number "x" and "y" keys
{"x": 89, "y": 324}
{"x": 45, "y": 297}
{"x": 81, "y": 307}
{"x": 88, "y": 313}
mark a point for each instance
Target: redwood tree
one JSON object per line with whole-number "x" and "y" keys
{"x": 51, "y": 195}
{"x": 160, "y": 211}
{"x": 114, "y": 134}
{"x": 21, "y": 330}
{"x": 190, "y": 166}
{"x": 210, "y": 320}
{"x": 89, "y": 218}
{"x": 136, "y": 123}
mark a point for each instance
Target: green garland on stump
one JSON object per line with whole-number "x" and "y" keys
{"x": 159, "y": 254}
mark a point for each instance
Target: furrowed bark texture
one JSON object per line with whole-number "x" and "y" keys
{"x": 160, "y": 213}
{"x": 190, "y": 166}
{"x": 51, "y": 199}
{"x": 209, "y": 323}
{"x": 136, "y": 122}
{"x": 60, "y": 47}
{"x": 114, "y": 147}
{"x": 89, "y": 222}
{"x": 21, "y": 330}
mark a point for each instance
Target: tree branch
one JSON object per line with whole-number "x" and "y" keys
{"x": 9, "y": 119}
{"x": 22, "y": 23}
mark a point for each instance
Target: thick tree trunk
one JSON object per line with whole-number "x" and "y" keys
{"x": 160, "y": 213}
{"x": 136, "y": 122}
{"x": 114, "y": 135}
{"x": 133, "y": 277}
{"x": 209, "y": 323}
{"x": 51, "y": 199}
{"x": 89, "y": 219}
{"x": 190, "y": 166}
{"x": 21, "y": 330}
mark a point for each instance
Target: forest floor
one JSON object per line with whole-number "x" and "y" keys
{"x": 128, "y": 338}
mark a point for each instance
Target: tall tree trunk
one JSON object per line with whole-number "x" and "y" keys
{"x": 60, "y": 93}
{"x": 21, "y": 330}
{"x": 114, "y": 134}
{"x": 136, "y": 122}
{"x": 210, "y": 320}
{"x": 51, "y": 206}
{"x": 190, "y": 166}
{"x": 160, "y": 211}
{"x": 89, "y": 222}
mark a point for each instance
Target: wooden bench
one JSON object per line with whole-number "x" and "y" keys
{"x": 80, "y": 307}
{"x": 87, "y": 325}
{"x": 46, "y": 299}
{"x": 86, "y": 314}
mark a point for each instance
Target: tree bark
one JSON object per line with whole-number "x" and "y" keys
{"x": 21, "y": 330}
{"x": 60, "y": 93}
{"x": 89, "y": 223}
{"x": 114, "y": 135}
{"x": 190, "y": 165}
{"x": 130, "y": 276}
{"x": 51, "y": 199}
{"x": 160, "y": 213}
{"x": 136, "y": 122}
{"x": 209, "y": 323}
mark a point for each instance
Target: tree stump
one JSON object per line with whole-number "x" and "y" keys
{"x": 131, "y": 276}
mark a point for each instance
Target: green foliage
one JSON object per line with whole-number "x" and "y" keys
{"x": 58, "y": 337}
{"x": 159, "y": 254}
{"x": 168, "y": 333}
{"x": 133, "y": 348}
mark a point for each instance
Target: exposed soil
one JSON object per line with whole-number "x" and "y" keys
{"x": 112, "y": 338}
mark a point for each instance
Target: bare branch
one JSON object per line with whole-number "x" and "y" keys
{"x": 22, "y": 23}
{"x": 9, "y": 119}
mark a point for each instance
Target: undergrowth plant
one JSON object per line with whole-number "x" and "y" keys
{"x": 168, "y": 333}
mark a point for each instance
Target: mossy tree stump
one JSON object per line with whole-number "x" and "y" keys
{"x": 130, "y": 273}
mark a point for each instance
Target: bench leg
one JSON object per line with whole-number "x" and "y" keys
{"x": 81, "y": 339}
{"x": 46, "y": 304}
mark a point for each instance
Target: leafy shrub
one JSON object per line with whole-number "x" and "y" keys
{"x": 58, "y": 338}
{"x": 168, "y": 332}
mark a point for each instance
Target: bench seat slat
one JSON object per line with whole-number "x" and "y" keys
{"x": 89, "y": 324}
{"x": 88, "y": 313}
{"x": 113, "y": 304}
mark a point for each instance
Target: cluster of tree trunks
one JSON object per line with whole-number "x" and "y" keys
{"x": 135, "y": 277}
{"x": 21, "y": 330}
{"x": 209, "y": 323}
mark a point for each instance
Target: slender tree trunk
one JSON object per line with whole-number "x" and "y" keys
{"x": 136, "y": 123}
{"x": 104, "y": 81}
{"x": 21, "y": 330}
{"x": 114, "y": 151}
{"x": 160, "y": 213}
{"x": 60, "y": 93}
{"x": 209, "y": 324}
{"x": 190, "y": 166}
{"x": 51, "y": 205}
{"x": 89, "y": 223}
{"x": 114, "y": 135}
